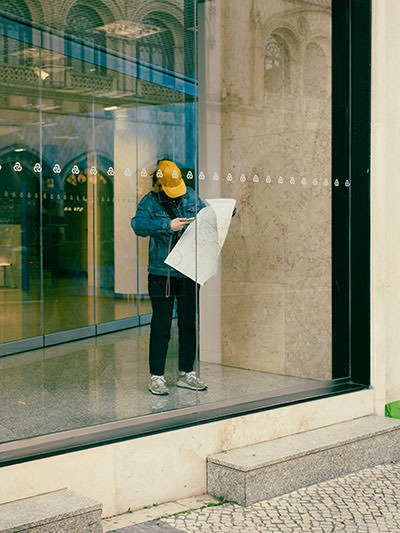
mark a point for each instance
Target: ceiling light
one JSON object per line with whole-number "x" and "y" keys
{"x": 128, "y": 29}
{"x": 111, "y": 108}
{"x": 19, "y": 149}
{"x": 41, "y": 73}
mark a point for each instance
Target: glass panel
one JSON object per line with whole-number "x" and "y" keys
{"x": 20, "y": 223}
{"x": 68, "y": 207}
{"x": 265, "y": 141}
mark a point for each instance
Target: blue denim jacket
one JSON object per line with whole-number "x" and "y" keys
{"x": 152, "y": 220}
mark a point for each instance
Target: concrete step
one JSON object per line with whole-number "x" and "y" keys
{"x": 58, "y": 511}
{"x": 268, "y": 469}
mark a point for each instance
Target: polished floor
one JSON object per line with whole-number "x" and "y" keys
{"x": 66, "y": 304}
{"x": 104, "y": 379}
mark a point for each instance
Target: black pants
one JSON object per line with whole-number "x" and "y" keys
{"x": 184, "y": 290}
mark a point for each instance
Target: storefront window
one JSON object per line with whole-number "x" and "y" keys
{"x": 106, "y": 111}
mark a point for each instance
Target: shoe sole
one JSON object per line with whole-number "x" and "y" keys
{"x": 185, "y": 386}
{"x": 158, "y": 393}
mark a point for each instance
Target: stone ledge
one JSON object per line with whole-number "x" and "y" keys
{"x": 62, "y": 510}
{"x": 268, "y": 469}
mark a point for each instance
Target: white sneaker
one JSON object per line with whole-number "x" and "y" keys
{"x": 158, "y": 385}
{"x": 189, "y": 380}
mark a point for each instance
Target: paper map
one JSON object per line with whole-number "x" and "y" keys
{"x": 196, "y": 253}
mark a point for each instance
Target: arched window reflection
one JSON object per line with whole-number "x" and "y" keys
{"x": 15, "y": 7}
{"x": 12, "y": 49}
{"x": 82, "y": 22}
{"x": 157, "y": 48}
{"x": 315, "y": 71}
{"x": 277, "y": 65}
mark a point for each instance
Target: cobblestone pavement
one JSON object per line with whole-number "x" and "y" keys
{"x": 367, "y": 501}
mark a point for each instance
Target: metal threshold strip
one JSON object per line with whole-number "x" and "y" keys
{"x": 77, "y": 439}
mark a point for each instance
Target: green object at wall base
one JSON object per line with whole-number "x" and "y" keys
{"x": 393, "y": 409}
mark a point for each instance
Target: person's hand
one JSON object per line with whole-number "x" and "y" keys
{"x": 177, "y": 224}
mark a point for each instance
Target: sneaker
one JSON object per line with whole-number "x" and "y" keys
{"x": 189, "y": 380}
{"x": 158, "y": 385}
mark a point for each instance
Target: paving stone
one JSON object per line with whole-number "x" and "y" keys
{"x": 366, "y": 501}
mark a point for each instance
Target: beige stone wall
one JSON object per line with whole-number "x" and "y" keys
{"x": 275, "y": 95}
{"x": 385, "y": 191}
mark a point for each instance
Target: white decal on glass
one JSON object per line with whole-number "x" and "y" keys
{"x": 242, "y": 178}
{"x": 17, "y": 167}
{"x": 5, "y": 193}
{"x": 268, "y": 179}
{"x": 160, "y": 173}
{"x": 29, "y": 195}
{"x": 280, "y": 180}
{"x": 216, "y": 176}
{"x": 292, "y": 181}
{"x": 326, "y": 182}
{"x": 110, "y": 171}
{"x": 304, "y": 181}
{"x": 144, "y": 173}
{"x": 21, "y": 194}
{"x": 315, "y": 181}
{"x": 93, "y": 171}
{"x": 75, "y": 169}
{"x": 202, "y": 176}
{"x": 336, "y": 183}
{"x": 229, "y": 177}
{"x": 256, "y": 179}
{"x": 56, "y": 169}
{"x": 189, "y": 175}
{"x": 37, "y": 168}
{"x": 347, "y": 183}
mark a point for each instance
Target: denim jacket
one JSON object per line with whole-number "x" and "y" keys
{"x": 152, "y": 220}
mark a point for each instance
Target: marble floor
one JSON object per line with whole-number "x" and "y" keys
{"x": 103, "y": 379}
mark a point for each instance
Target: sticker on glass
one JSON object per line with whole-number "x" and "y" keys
{"x": 75, "y": 169}
{"x": 93, "y": 171}
{"x": 315, "y": 181}
{"x": 159, "y": 173}
{"x": 256, "y": 179}
{"x": 229, "y": 177}
{"x": 37, "y": 168}
{"x": 56, "y": 169}
{"x": 128, "y": 172}
{"x": 336, "y": 183}
{"x": 202, "y": 176}
{"x": 189, "y": 175}
{"x": 216, "y": 176}
{"x": 144, "y": 174}
{"x": 242, "y": 178}
{"x": 110, "y": 171}
{"x": 347, "y": 183}
{"x": 280, "y": 180}
{"x": 326, "y": 182}
{"x": 292, "y": 181}
{"x": 304, "y": 181}
{"x": 17, "y": 167}
{"x": 268, "y": 179}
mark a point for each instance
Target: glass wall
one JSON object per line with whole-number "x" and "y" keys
{"x": 237, "y": 94}
{"x": 265, "y": 141}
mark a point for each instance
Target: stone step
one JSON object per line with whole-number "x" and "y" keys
{"x": 268, "y": 469}
{"x": 58, "y": 511}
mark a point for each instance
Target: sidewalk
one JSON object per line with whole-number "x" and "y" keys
{"x": 367, "y": 501}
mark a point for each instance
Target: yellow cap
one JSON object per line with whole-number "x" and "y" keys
{"x": 170, "y": 178}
